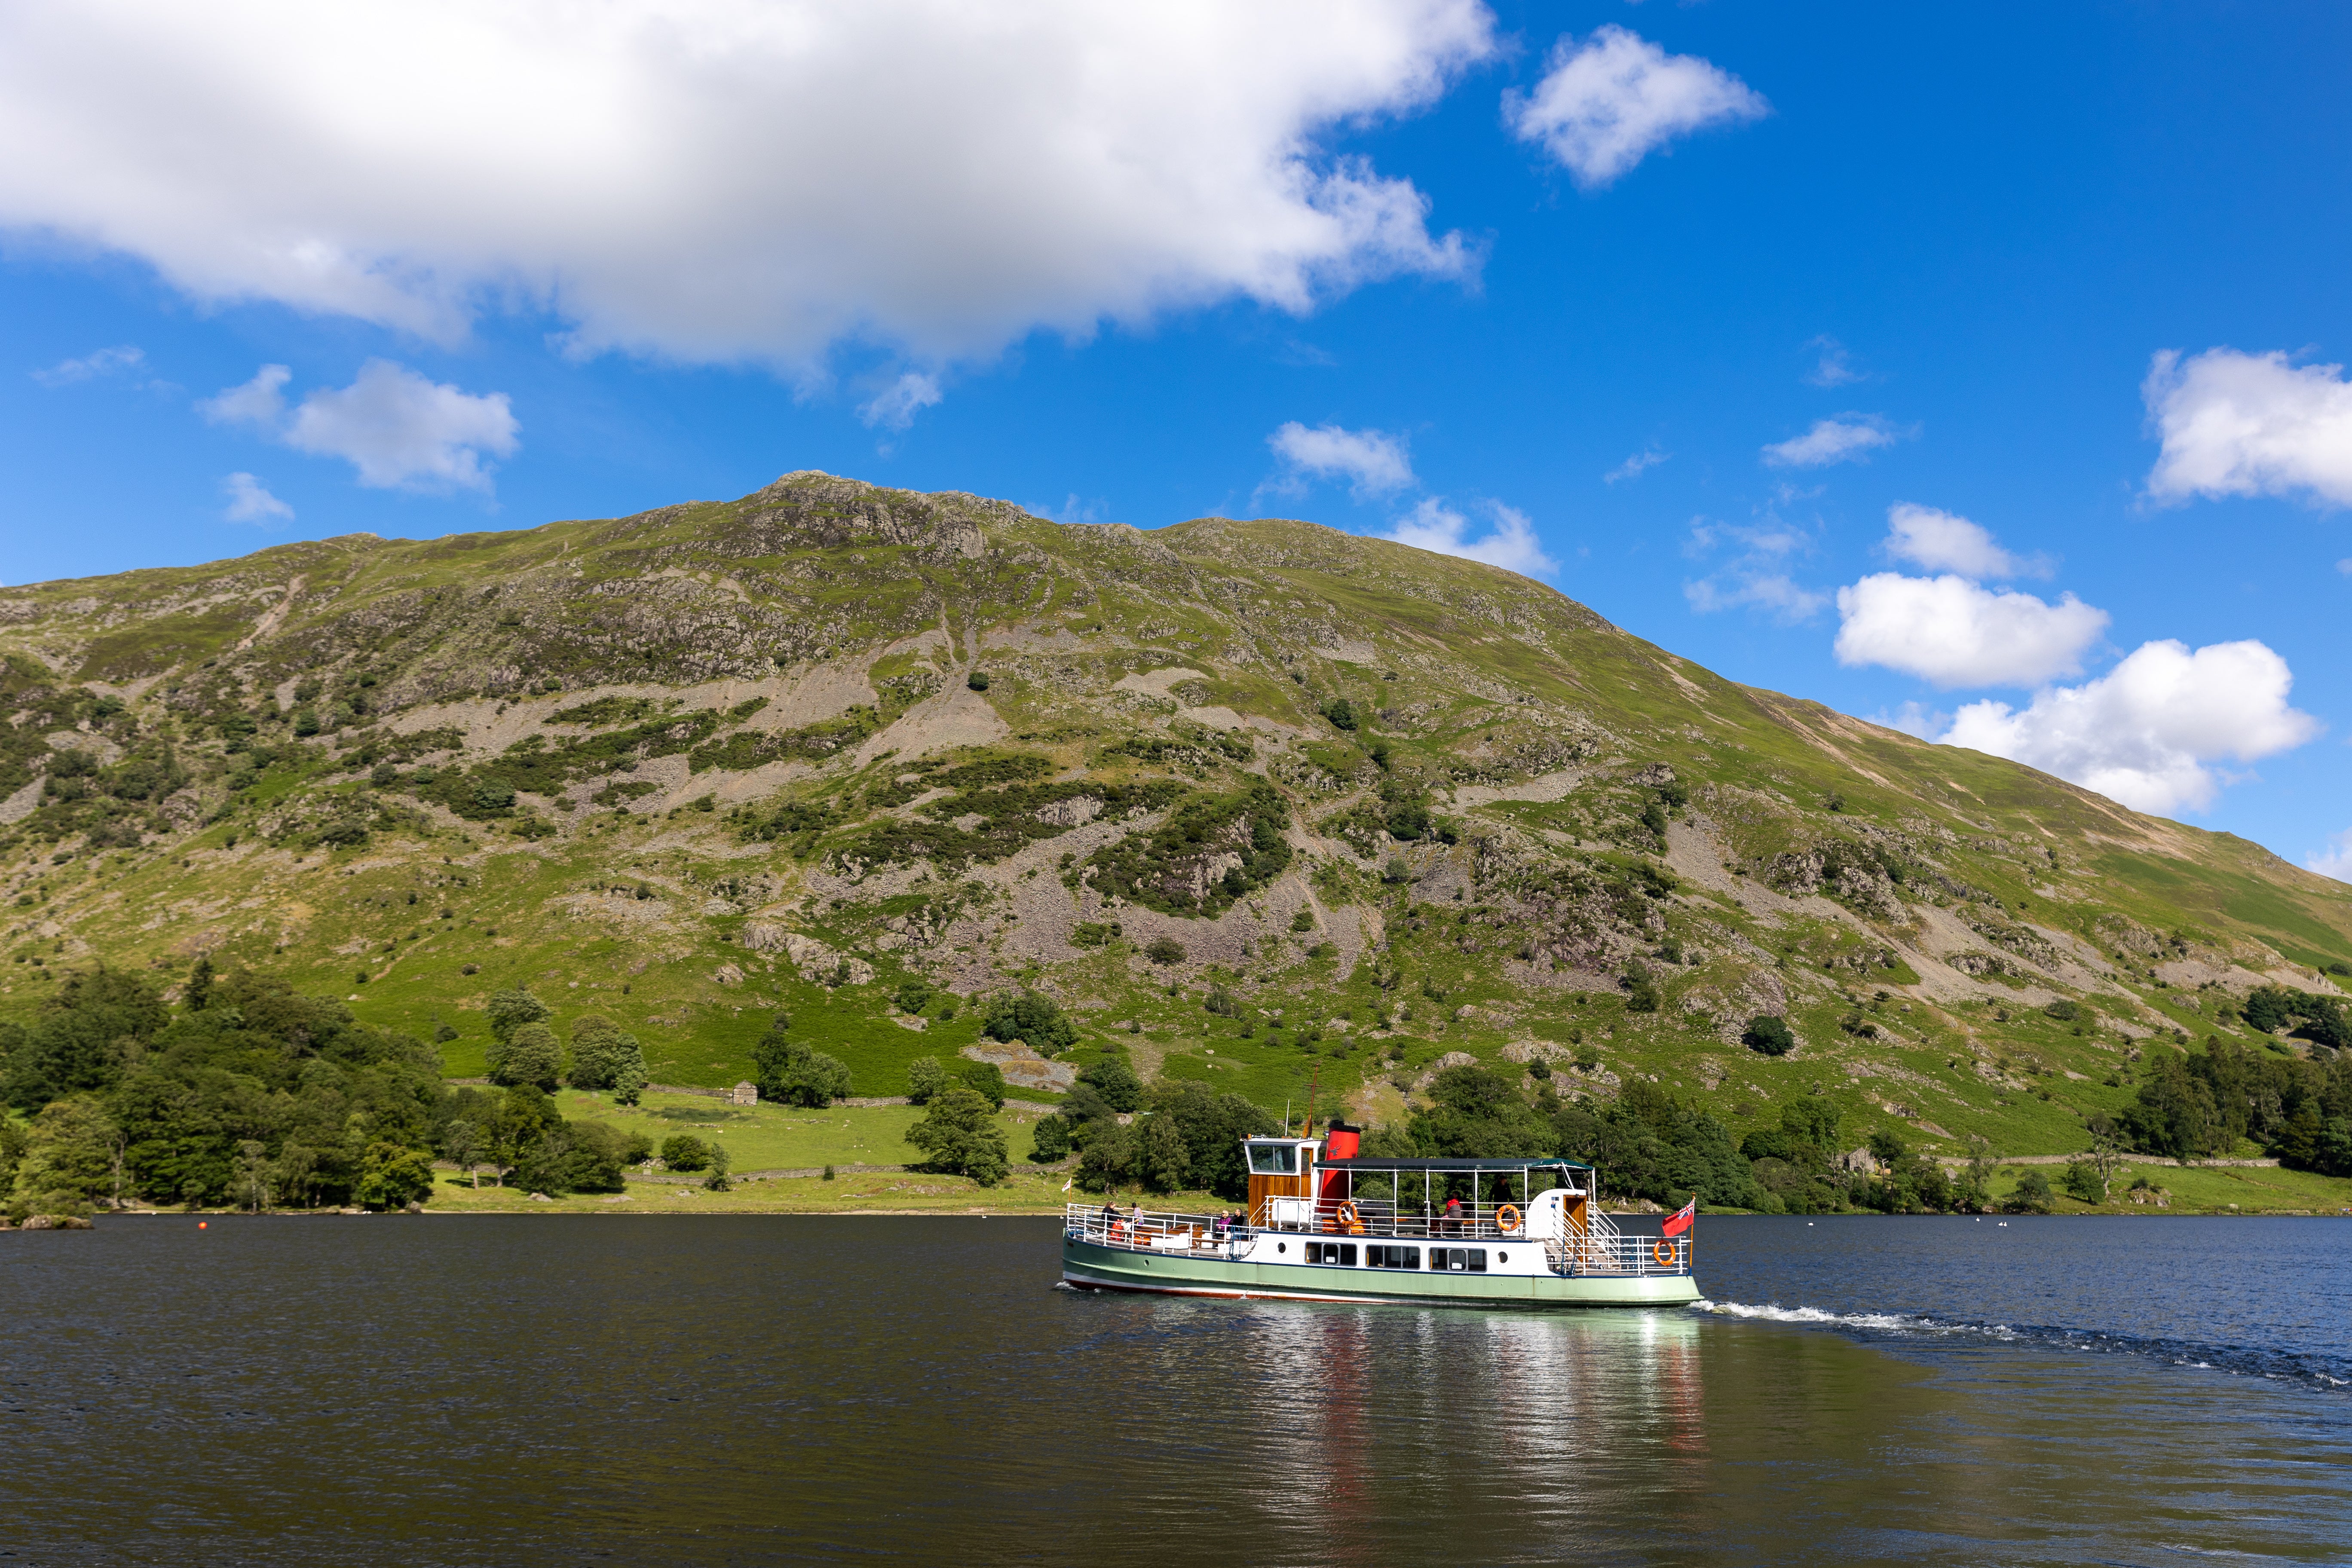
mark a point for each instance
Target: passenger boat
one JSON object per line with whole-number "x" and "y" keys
{"x": 1326, "y": 1223}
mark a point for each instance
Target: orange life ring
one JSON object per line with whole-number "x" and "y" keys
{"x": 1347, "y": 1216}
{"x": 1507, "y": 1226}
{"x": 1663, "y": 1252}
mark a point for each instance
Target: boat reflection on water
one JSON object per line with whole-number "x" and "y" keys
{"x": 1369, "y": 1420}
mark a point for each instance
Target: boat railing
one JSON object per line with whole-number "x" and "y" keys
{"x": 1593, "y": 1253}
{"x": 1143, "y": 1230}
{"x": 1410, "y": 1222}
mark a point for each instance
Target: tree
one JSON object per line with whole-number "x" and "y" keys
{"x": 1641, "y": 993}
{"x": 1340, "y": 713}
{"x": 1165, "y": 950}
{"x": 1108, "y": 1158}
{"x": 1115, "y": 1082}
{"x": 1165, "y": 1160}
{"x": 1212, "y": 1126}
{"x": 72, "y": 1157}
{"x": 600, "y": 1049}
{"x": 200, "y": 983}
{"x": 985, "y": 1079}
{"x": 2084, "y": 1181}
{"x": 509, "y": 1010}
{"x": 925, "y": 1078}
{"x": 791, "y": 1073}
{"x": 2032, "y": 1194}
{"x": 717, "y": 1181}
{"x": 392, "y": 1177}
{"x": 914, "y": 994}
{"x": 253, "y": 1173}
{"x": 81, "y": 1038}
{"x": 462, "y": 1143}
{"x": 1049, "y": 1140}
{"x": 1036, "y": 1020}
{"x": 685, "y": 1151}
{"x": 1770, "y": 1033}
{"x": 629, "y": 1078}
{"x": 958, "y": 1135}
{"x": 532, "y": 1056}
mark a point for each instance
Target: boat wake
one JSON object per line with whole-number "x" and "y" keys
{"x": 2325, "y": 1372}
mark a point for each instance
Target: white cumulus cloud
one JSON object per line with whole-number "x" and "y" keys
{"x": 398, "y": 428}
{"x": 1946, "y": 541}
{"x": 1606, "y": 104}
{"x": 1954, "y": 632}
{"x": 1845, "y": 439}
{"x": 1509, "y": 541}
{"x": 733, "y": 180}
{"x": 2237, "y": 424}
{"x": 1372, "y": 461}
{"x": 2336, "y": 861}
{"x": 250, "y": 501}
{"x": 2146, "y": 732}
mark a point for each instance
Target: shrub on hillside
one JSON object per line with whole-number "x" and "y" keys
{"x": 1768, "y": 1032}
{"x": 685, "y": 1151}
{"x": 985, "y": 1079}
{"x": 1027, "y": 1016}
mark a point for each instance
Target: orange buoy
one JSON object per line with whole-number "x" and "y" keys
{"x": 202, "y": 1224}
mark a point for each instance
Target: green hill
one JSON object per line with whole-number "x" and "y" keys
{"x": 1262, "y": 805}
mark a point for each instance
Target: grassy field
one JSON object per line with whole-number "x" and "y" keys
{"x": 2201, "y": 1189}
{"x": 778, "y": 1137}
{"x": 1025, "y": 1192}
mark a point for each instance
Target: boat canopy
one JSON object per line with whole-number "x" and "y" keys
{"x": 1365, "y": 1163}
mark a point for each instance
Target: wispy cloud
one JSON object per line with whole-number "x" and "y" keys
{"x": 123, "y": 360}
{"x": 2335, "y": 860}
{"x": 1756, "y": 576}
{"x": 250, "y": 501}
{"x": 1849, "y": 437}
{"x": 1832, "y": 367}
{"x": 1634, "y": 467}
{"x": 896, "y": 405}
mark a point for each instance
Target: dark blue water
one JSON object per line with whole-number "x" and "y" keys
{"x": 2260, "y": 1298}
{"x": 655, "y": 1389}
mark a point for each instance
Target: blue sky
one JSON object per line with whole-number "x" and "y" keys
{"x": 1818, "y": 344}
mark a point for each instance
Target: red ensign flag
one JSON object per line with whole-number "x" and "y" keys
{"x": 1680, "y": 1220}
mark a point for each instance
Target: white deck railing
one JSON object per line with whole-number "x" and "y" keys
{"x": 1601, "y": 1249}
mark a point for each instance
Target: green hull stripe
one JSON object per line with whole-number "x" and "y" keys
{"x": 1083, "y": 1263}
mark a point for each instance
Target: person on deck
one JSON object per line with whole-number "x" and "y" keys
{"x": 1454, "y": 1217}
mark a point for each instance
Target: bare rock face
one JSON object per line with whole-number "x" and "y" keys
{"x": 1022, "y": 1068}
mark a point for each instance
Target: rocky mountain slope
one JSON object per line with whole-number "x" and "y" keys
{"x": 1260, "y": 804}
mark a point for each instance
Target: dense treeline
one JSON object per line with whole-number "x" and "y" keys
{"x": 251, "y": 1094}
{"x": 2200, "y": 1104}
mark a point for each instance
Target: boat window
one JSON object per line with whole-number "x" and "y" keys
{"x": 1392, "y": 1256}
{"x": 1340, "y": 1252}
{"x": 1274, "y": 1159}
{"x": 1458, "y": 1260}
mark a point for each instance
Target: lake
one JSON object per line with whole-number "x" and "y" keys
{"x": 530, "y": 1389}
